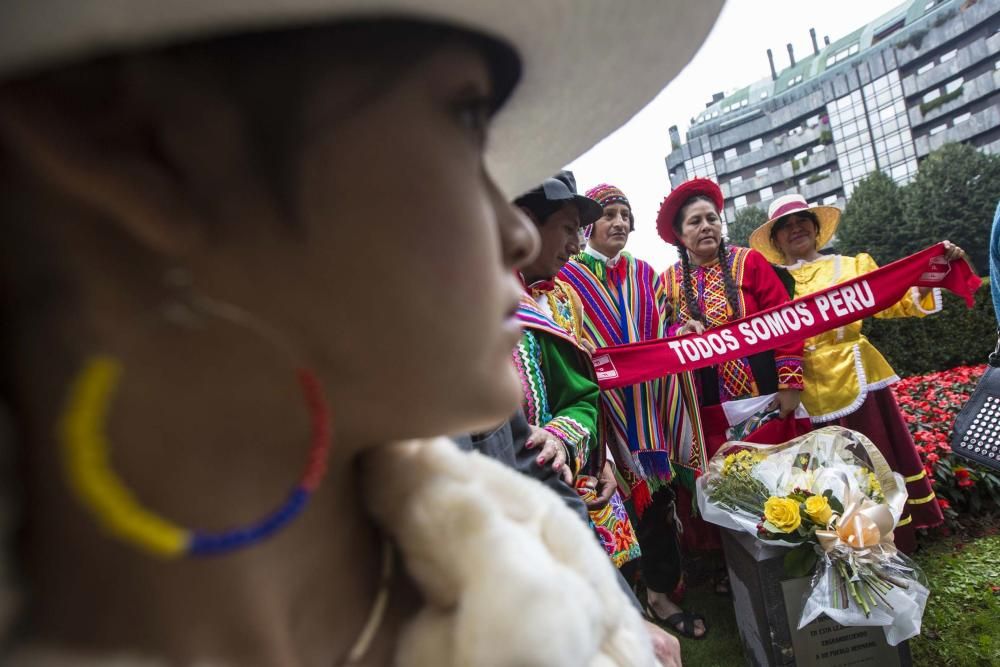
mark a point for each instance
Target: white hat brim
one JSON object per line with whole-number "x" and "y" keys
{"x": 589, "y": 65}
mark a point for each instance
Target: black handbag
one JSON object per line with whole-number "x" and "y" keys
{"x": 977, "y": 428}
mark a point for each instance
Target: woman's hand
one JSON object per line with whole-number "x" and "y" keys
{"x": 951, "y": 253}
{"x": 553, "y": 449}
{"x": 604, "y": 487}
{"x": 691, "y": 326}
{"x": 786, "y": 401}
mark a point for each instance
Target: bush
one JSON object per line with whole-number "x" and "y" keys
{"x": 930, "y": 404}
{"x": 914, "y": 39}
{"x": 746, "y": 220}
{"x": 873, "y": 220}
{"x": 953, "y": 196}
{"x": 957, "y": 336}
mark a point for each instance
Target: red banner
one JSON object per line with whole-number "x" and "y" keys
{"x": 841, "y": 304}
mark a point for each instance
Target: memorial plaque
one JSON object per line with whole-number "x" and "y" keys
{"x": 826, "y": 643}
{"x": 768, "y": 605}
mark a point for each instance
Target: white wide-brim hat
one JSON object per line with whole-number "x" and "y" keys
{"x": 828, "y": 217}
{"x": 588, "y": 65}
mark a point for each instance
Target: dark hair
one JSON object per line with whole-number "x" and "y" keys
{"x": 783, "y": 220}
{"x": 732, "y": 295}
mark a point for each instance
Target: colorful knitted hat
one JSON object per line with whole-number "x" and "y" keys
{"x": 606, "y": 195}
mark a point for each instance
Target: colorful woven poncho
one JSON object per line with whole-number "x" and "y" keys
{"x": 561, "y": 396}
{"x": 626, "y": 304}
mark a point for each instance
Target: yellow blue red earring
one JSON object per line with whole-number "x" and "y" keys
{"x": 86, "y": 449}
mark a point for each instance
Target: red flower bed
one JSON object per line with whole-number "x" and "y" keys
{"x": 930, "y": 404}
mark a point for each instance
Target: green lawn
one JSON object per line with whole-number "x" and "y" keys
{"x": 962, "y": 620}
{"x": 721, "y": 647}
{"x": 961, "y": 626}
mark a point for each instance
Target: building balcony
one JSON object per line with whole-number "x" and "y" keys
{"x": 967, "y": 56}
{"x": 977, "y": 124}
{"x": 824, "y": 186}
{"x": 782, "y": 173}
{"x": 772, "y": 148}
{"x": 983, "y": 85}
{"x": 963, "y": 21}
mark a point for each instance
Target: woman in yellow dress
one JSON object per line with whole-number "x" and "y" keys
{"x": 847, "y": 379}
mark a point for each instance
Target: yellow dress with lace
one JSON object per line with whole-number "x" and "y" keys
{"x": 842, "y": 366}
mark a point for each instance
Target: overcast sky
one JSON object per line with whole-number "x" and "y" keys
{"x": 734, "y": 55}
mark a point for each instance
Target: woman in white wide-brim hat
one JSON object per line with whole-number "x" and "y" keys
{"x": 233, "y": 230}
{"x": 846, "y": 379}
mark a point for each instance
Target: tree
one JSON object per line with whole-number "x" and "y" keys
{"x": 747, "y": 219}
{"x": 873, "y": 220}
{"x": 953, "y": 197}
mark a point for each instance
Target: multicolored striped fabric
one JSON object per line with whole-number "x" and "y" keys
{"x": 561, "y": 396}
{"x": 560, "y": 393}
{"x": 562, "y": 322}
{"x": 625, "y": 304}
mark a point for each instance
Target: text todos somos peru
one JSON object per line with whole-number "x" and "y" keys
{"x": 805, "y": 317}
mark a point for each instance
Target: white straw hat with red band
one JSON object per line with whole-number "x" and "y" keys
{"x": 828, "y": 216}
{"x": 578, "y": 85}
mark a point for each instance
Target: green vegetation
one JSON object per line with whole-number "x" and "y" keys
{"x": 953, "y": 197}
{"x": 957, "y": 336}
{"x": 927, "y": 107}
{"x": 747, "y": 219}
{"x": 960, "y": 627}
{"x": 874, "y": 220}
{"x": 914, "y": 39}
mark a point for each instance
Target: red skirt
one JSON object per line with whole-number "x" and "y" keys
{"x": 879, "y": 418}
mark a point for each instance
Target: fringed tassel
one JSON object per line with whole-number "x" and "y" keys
{"x": 686, "y": 477}
{"x": 655, "y": 466}
{"x": 641, "y": 498}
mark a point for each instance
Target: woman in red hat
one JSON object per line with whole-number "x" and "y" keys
{"x": 753, "y": 398}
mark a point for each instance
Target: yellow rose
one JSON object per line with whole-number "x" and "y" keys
{"x": 818, "y": 509}
{"x": 782, "y": 513}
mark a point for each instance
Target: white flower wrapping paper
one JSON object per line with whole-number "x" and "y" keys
{"x": 844, "y": 463}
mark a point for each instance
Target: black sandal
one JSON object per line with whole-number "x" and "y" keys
{"x": 686, "y": 620}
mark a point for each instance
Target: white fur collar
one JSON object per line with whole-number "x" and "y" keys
{"x": 511, "y": 576}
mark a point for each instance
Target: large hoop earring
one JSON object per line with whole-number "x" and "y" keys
{"x": 86, "y": 449}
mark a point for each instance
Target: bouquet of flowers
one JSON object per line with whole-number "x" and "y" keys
{"x": 830, "y": 497}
